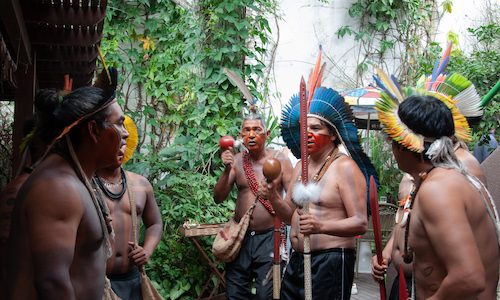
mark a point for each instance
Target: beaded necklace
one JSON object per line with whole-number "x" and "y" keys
{"x": 324, "y": 167}
{"x": 408, "y": 253}
{"x": 110, "y": 194}
{"x": 252, "y": 183}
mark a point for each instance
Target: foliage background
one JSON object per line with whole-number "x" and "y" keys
{"x": 170, "y": 57}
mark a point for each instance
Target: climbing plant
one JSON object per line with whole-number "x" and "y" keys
{"x": 170, "y": 55}
{"x": 394, "y": 35}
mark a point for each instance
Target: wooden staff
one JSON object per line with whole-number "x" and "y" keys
{"x": 376, "y": 231}
{"x": 305, "y": 180}
{"x": 271, "y": 170}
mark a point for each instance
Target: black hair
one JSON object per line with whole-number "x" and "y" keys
{"x": 332, "y": 131}
{"x": 55, "y": 112}
{"x": 427, "y": 116}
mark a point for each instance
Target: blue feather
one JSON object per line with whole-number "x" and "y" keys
{"x": 396, "y": 83}
{"x": 434, "y": 71}
{"x": 386, "y": 90}
{"x": 443, "y": 66}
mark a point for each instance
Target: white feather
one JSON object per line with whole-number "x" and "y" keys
{"x": 469, "y": 102}
{"x": 304, "y": 194}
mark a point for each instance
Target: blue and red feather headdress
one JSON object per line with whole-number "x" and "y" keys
{"x": 328, "y": 105}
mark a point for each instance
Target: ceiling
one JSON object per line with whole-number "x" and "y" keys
{"x": 56, "y": 37}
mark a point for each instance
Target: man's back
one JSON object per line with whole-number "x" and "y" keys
{"x": 453, "y": 237}
{"x": 56, "y": 242}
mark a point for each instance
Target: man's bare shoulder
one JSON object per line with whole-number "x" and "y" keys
{"x": 56, "y": 189}
{"x": 442, "y": 188}
{"x": 139, "y": 180}
{"x": 345, "y": 165}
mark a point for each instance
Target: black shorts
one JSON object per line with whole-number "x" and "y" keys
{"x": 127, "y": 286}
{"x": 254, "y": 262}
{"x": 332, "y": 272}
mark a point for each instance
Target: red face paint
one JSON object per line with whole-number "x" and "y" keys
{"x": 254, "y": 141}
{"x": 317, "y": 142}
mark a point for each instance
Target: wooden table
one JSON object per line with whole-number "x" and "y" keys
{"x": 193, "y": 232}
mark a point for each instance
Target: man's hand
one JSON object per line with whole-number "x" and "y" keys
{"x": 308, "y": 223}
{"x": 378, "y": 271}
{"x": 269, "y": 190}
{"x": 227, "y": 157}
{"x": 137, "y": 254}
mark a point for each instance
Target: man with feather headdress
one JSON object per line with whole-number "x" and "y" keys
{"x": 450, "y": 221}
{"x": 461, "y": 96}
{"x": 336, "y": 195}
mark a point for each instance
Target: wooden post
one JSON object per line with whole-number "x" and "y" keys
{"x": 23, "y": 107}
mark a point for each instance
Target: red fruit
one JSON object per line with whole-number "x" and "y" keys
{"x": 226, "y": 141}
{"x": 271, "y": 169}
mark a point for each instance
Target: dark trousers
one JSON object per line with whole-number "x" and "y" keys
{"x": 253, "y": 262}
{"x": 127, "y": 286}
{"x": 332, "y": 272}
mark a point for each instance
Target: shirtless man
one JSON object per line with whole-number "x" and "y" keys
{"x": 452, "y": 237}
{"x": 122, "y": 266}
{"x": 255, "y": 257}
{"x": 338, "y": 215}
{"x": 393, "y": 250}
{"x": 58, "y": 235}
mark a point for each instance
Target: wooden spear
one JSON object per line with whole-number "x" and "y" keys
{"x": 305, "y": 180}
{"x": 376, "y": 231}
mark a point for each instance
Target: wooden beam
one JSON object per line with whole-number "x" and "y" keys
{"x": 48, "y": 35}
{"x": 24, "y": 106}
{"x": 66, "y": 53}
{"x": 60, "y": 15}
{"x": 11, "y": 16}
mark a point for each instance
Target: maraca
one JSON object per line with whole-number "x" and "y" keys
{"x": 228, "y": 141}
{"x": 271, "y": 169}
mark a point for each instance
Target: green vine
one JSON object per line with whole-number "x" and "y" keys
{"x": 389, "y": 29}
{"x": 171, "y": 58}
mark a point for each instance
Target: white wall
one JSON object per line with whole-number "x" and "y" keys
{"x": 308, "y": 23}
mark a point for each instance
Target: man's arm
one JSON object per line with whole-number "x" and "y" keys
{"x": 225, "y": 183}
{"x": 53, "y": 211}
{"x": 444, "y": 218}
{"x": 151, "y": 218}
{"x": 352, "y": 191}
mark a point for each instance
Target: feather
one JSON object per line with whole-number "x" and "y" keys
{"x": 331, "y": 107}
{"x": 132, "y": 139}
{"x": 101, "y": 56}
{"x": 444, "y": 60}
{"x": 381, "y": 85}
{"x": 389, "y": 84}
{"x": 240, "y": 84}
{"x": 433, "y": 75}
{"x": 468, "y": 102}
{"x": 453, "y": 85}
{"x": 304, "y": 194}
{"x": 315, "y": 77}
{"x": 396, "y": 83}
